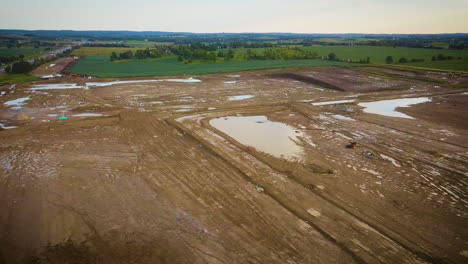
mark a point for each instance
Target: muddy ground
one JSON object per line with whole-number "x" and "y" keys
{"x": 137, "y": 173}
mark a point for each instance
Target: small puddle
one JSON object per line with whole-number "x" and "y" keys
{"x": 17, "y": 103}
{"x": 387, "y": 107}
{"x": 7, "y": 127}
{"x": 275, "y": 138}
{"x": 87, "y": 115}
{"x": 333, "y": 102}
{"x": 241, "y": 97}
{"x": 342, "y": 117}
{"x": 230, "y": 82}
{"x": 189, "y": 80}
{"x": 56, "y": 86}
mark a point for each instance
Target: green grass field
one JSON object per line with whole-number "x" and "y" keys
{"x": 378, "y": 55}
{"x": 16, "y": 78}
{"x": 101, "y": 66}
{"x": 97, "y": 62}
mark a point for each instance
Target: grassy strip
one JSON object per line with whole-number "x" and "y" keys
{"x": 16, "y": 78}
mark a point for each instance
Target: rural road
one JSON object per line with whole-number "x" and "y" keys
{"x": 47, "y": 55}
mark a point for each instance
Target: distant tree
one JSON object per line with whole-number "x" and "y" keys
{"x": 211, "y": 56}
{"x": 403, "y": 60}
{"x": 21, "y": 67}
{"x": 434, "y": 58}
{"x": 220, "y": 54}
{"x": 368, "y": 60}
{"x": 332, "y": 56}
{"x": 389, "y": 60}
{"x": 114, "y": 56}
{"x": 230, "y": 54}
{"x": 441, "y": 57}
{"x": 126, "y": 55}
{"x": 8, "y": 69}
{"x": 21, "y": 56}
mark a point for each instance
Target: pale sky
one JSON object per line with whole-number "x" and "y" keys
{"x": 298, "y": 16}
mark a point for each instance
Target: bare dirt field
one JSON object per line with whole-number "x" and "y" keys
{"x": 250, "y": 167}
{"x": 56, "y": 67}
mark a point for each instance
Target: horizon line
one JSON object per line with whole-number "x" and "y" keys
{"x": 192, "y": 32}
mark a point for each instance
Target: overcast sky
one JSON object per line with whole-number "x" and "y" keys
{"x": 300, "y": 16}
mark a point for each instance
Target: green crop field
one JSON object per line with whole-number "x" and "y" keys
{"x": 27, "y": 52}
{"x": 101, "y": 66}
{"x": 97, "y": 62}
{"x": 378, "y": 55}
{"x": 96, "y": 51}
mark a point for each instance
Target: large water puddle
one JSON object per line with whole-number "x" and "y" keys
{"x": 103, "y": 84}
{"x": 241, "y": 97}
{"x": 275, "y": 138}
{"x": 56, "y": 86}
{"x": 387, "y": 107}
{"x": 17, "y": 103}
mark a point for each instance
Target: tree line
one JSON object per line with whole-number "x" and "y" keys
{"x": 139, "y": 54}
{"x": 200, "y": 51}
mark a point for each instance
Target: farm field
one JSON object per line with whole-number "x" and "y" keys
{"x": 97, "y": 63}
{"x": 99, "y": 51}
{"x": 239, "y": 167}
{"x": 27, "y": 52}
{"x": 188, "y": 151}
{"x": 378, "y": 55}
{"x": 101, "y": 66}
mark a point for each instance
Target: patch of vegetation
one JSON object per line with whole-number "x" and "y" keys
{"x": 16, "y": 78}
{"x": 19, "y": 67}
{"x": 139, "y": 54}
{"x": 460, "y": 86}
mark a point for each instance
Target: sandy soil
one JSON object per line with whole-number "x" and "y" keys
{"x": 137, "y": 174}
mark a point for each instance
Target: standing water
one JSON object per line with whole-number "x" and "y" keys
{"x": 387, "y": 107}
{"x": 274, "y": 138}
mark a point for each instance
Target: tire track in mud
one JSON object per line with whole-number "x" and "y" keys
{"x": 169, "y": 147}
{"x": 350, "y": 248}
{"x": 398, "y": 237}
